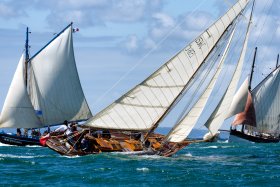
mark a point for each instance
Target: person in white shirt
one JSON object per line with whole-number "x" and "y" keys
{"x": 68, "y": 133}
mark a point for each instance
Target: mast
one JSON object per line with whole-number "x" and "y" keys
{"x": 26, "y": 56}
{"x": 252, "y": 70}
{"x": 277, "y": 61}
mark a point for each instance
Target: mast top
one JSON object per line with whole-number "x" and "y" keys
{"x": 26, "y": 45}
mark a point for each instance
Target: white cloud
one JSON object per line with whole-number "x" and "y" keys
{"x": 132, "y": 43}
{"x": 164, "y": 19}
{"x": 11, "y": 10}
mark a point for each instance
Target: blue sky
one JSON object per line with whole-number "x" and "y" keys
{"x": 116, "y": 35}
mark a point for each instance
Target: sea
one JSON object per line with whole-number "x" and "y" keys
{"x": 199, "y": 164}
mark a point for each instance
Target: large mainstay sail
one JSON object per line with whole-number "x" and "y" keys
{"x": 266, "y": 99}
{"x": 144, "y": 105}
{"x": 55, "y": 88}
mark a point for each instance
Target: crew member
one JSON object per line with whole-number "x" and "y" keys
{"x": 18, "y": 132}
{"x": 68, "y": 133}
{"x": 84, "y": 143}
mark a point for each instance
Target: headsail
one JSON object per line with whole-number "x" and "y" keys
{"x": 248, "y": 116}
{"x": 146, "y": 103}
{"x": 18, "y": 111}
{"x": 55, "y": 88}
{"x": 217, "y": 118}
{"x": 184, "y": 127}
{"x": 239, "y": 100}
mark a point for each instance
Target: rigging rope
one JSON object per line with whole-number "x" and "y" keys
{"x": 147, "y": 54}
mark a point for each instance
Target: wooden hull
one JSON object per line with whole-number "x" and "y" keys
{"x": 18, "y": 140}
{"x": 120, "y": 143}
{"x": 237, "y": 136}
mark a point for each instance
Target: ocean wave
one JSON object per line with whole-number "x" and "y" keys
{"x": 188, "y": 154}
{"x": 142, "y": 169}
{"x": 213, "y": 147}
{"x": 14, "y": 156}
{"x": 2, "y": 144}
{"x": 33, "y": 146}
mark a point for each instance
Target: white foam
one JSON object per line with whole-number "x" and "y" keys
{"x": 76, "y": 156}
{"x": 15, "y": 156}
{"x": 142, "y": 169}
{"x": 2, "y": 144}
{"x": 33, "y": 146}
{"x": 188, "y": 154}
{"x": 214, "y": 147}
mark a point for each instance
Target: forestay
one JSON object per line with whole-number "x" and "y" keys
{"x": 180, "y": 131}
{"x": 55, "y": 88}
{"x": 18, "y": 111}
{"x": 266, "y": 99}
{"x": 146, "y": 103}
{"x": 220, "y": 113}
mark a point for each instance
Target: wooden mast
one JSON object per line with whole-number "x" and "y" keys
{"x": 26, "y": 56}
{"x": 26, "y": 67}
{"x": 277, "y": 61}
{"x": 252, "y": 70}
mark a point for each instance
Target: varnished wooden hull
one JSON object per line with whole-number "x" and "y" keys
{"x": 118, "y": 143}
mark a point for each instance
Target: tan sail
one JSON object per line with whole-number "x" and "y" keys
{"x": 239, "y": 100}
{"x": 142, "y": 107}
{"x": 248, "y": 116}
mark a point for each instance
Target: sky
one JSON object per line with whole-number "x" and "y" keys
{"x": 114, "y": 36}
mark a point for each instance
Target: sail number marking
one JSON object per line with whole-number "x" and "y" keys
{"x": 200, "y": 42}
{"x": 190, "y": 51}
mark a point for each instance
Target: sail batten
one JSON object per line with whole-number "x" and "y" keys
{"x": 165, "y": 84}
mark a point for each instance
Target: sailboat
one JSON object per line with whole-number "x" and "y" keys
{"x": 54, "y": 95}
{"x": 260, "y": 115}
{"x": 128, "y": 124}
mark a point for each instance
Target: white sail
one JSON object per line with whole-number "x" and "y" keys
{"x": 18, "y": 111}
{"x": 146, "y": 103}
{"x": 266, "y": 99}
{"x": 239, "y": 100}
{"x": 55, "y": 88}
{"x": 184, "y": 127}
{"x": 217, "y": 118}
